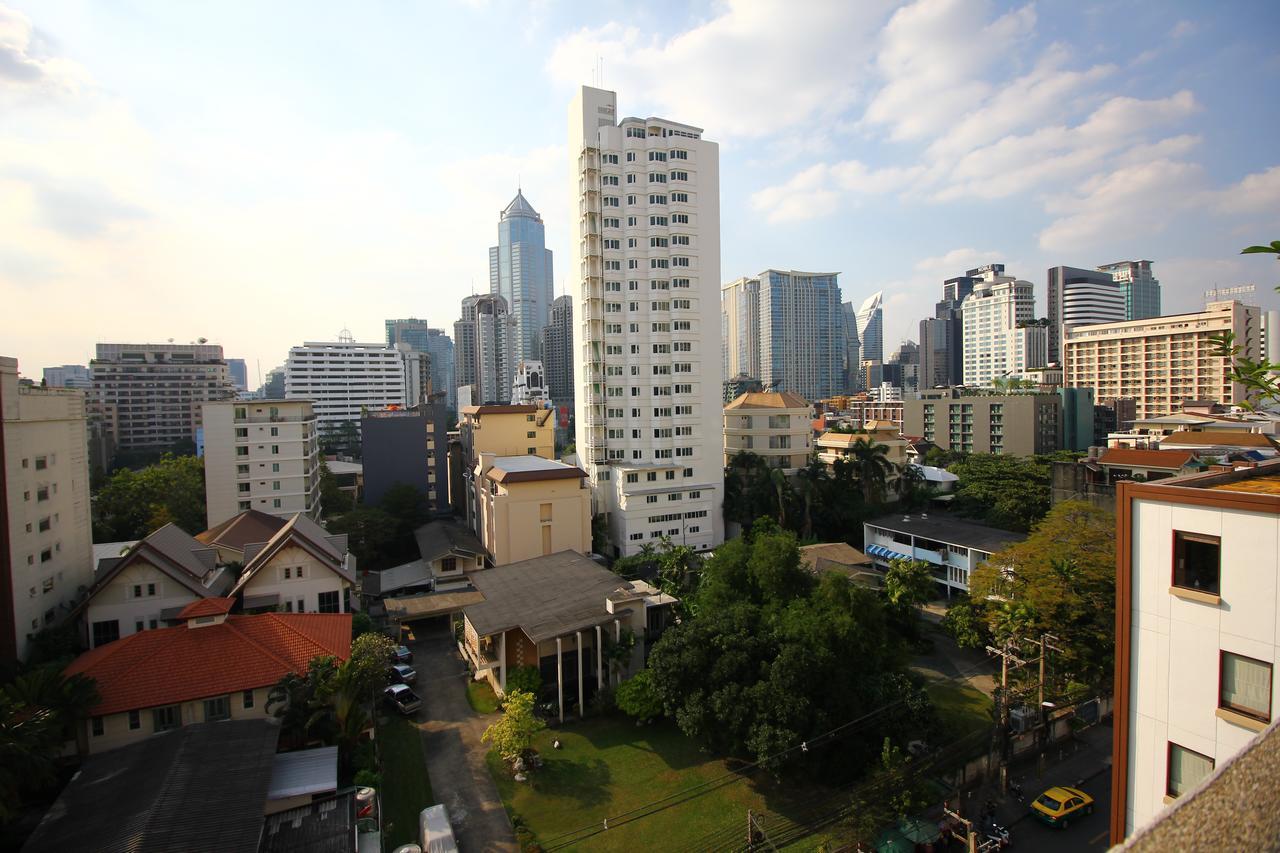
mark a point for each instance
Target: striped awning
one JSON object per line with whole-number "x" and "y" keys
{"x": 885, "y": 553}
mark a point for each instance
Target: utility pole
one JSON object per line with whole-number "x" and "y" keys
{"x": 1006, "y": 654}
{"x": 971, "y": 836}
{"x": 1043, "y": 735}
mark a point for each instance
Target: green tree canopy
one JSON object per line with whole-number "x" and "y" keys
{"x": 134, "y": 503}
{"x": 1006, "y": 491}
{"x": 512, "y": 734}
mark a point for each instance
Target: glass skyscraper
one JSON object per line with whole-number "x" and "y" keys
{"x": 420, "y": 337}
{"x": 520, "y": 272}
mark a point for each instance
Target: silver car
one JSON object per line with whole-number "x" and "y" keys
{"x": 404, "y": 699}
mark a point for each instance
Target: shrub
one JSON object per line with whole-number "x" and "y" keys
{"x": 637, "y": 698}
{"x": 524, "y": 679}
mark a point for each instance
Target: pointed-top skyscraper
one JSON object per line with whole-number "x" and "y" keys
{"x": 520, "y": 272}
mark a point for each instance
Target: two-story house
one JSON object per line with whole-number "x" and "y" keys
{"x": 300, "y": 569}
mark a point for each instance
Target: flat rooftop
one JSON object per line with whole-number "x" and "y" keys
{"x": 1265, "y": 485}
{"x": 942, "y": 527}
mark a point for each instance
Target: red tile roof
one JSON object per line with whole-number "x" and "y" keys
{"x": 171, "y": 665}
{"x": 1171, "y": 459}
{"x": 1220, "y": 438}
{"x": 207, "y": 607}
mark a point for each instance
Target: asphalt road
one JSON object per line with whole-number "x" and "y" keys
{"x": 1086, "y": 833}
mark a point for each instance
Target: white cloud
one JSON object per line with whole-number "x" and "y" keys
{"x": 1256, "y": 195}
{"x": 1182, "y": 29}
{"x": 752, "y": 70}
{"x": 817, "y": 190}
{"x": 25, "y": 69}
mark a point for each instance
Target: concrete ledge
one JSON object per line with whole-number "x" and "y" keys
{"x": 1195, "y": 595}
{"x": 1243, "y": 720}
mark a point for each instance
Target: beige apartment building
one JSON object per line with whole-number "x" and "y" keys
{"x": 46, "y": 549}
{"x": 531, "y": 507}
{"x": 1016, "y": 424}
{"x": 774, "y": 426}
{"x": 518, "y": 430}
{"x": 263, "y": 455}
{"x": 1162, "y": 361}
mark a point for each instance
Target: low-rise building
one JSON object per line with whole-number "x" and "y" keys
{"x": 302, "y": 569}
{"x": 232, "y": 537}
{"x": 149, "y": 585}
{"x": 1016, "y": 424}
{"x": 560, "y": 613}
{"x": 262, "y": 455}
{"x": 408, "y": 446}
{"x": 1223, "y": 444}
{"x": 841, "y": 445}
{"x": 1197, "y": 580}
{"x": 952, "y": 547}
{"x": 775, "y": 426}
{"x": 213, "y": 666}
{"x": 502, "y": 431}
{"x": 840, "y": 558}
{"x": 449, "y": 551}
{"x": 529, "y": 506}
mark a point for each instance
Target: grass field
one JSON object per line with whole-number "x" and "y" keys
{"x": 481, "y": 697}
{"x": 406, "y": 790}
{"x": 966, "y": 709}
{"x": 607, "y": 767}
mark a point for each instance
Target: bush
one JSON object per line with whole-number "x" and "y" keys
{"x": 360, "y": 624}
{"x": 367, "y": 779}
{"x": 637, "y": 698}
{"x": 604, "y": 701}
{"x": 525, "y": 679}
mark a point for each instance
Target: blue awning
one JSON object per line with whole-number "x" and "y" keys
{"x": 885, "y": 553}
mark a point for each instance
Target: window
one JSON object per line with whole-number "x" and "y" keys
{"x": 1245, "y": 686}
{"x": 105, "y": 632}
{"x": 275, "y": 449}
{"x": 327, "y": 602}
{"x": 135, "y": 720}
{"x": 167, "y": 718}
{"x": 98, "y": 727}
{"x": 275, "y": 485}
{"x": 651, "y": 499}
{"x": 652, "y": 476}
{"x": 41, "y": 463}
{"x": 42, "y": 494}
{"x": 449, "y": 564}
{"x": 275, "y": 504}
{"x": 275, "y": 467}
{"x": 1196, "y": 562}
{"x": 633, "y": 478}
{"x": 1185, "y": 769}
{"x": 275, "y": 431}
{"x": 246, "y": 699}
{"x": 544, "y": 512}
{"x": 46, "y": 555}
{"x": 680, "y": 197}
{"x": 217, "y": 709}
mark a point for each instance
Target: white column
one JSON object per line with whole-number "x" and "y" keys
{"x": 599, "y": 658}
{"x": 617, "y": 638}
{"x": 502, "y": 662}
{"x": 560, "y": 679}
{"x": 582, "y": 699}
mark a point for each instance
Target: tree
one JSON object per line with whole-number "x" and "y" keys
{"x": 872, "y": 468}
{"x": 1060, "y": 580}
{"x": 135, "y": 503}
{"x": 912, "y": 488}
{"x": 512, "y": 734}
{"x": 964, "y": 623}
{"x": 599, "y": 533}
{"x": 524, "y": 679}
{"x": 637, "y": 698}
{"x": 371, "y": 656}
{"x": 371, "y": 536}
{"x": 333, "y": 499}
{"x": 299, "y": 701}
{"x": 408, "y": 507}
{"x": 1006, "y": 491}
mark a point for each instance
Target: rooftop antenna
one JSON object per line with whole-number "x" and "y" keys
{"x": 345, "y": 336}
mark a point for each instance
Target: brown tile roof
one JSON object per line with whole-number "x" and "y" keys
{"x": 840, "y": 553}
{"x": 1221, "y": 438}
{"x": 1171, "y": 459}
{"x": 207, "y": 607}
{"x": 239, "y": 530}
{"x": 769, "y": 400}
{"x": 302, "y": 531}
{"x": 170, "y": 665}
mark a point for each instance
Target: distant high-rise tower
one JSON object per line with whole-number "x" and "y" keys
{"x": 1000, "y": 337}
{"x": 1141, "y": 289}
{"x": 852, "y": 379}
{"x": 786, "y": 327}
{"x": 647, "y": 336}
{"x": 942, "y": 336}
{"x": 520, "y": 272}
{"x": 557, "y": 352}
{"x": 1080, "y": 297}
{"x": 420, "y": 337}
{"x": 485, "y": 339}
{"x": 870, "y": 319}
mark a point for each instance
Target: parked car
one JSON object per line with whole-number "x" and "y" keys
{"x": 401, "y": 674}
{"x": 402, "y": 698}
{"x": 403, "y": 655}
{"x": 436, "y": 831}
{"x": 1059, "y": 806}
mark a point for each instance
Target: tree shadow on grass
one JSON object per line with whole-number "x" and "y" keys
{"x": 662, "y": 738}
{"x": 584, "y": 780}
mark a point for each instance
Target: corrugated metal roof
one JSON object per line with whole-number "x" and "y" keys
{"x": 306, "y": 771}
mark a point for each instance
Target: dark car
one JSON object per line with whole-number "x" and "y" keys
{"x": 401, "y": 674}
{"x": 403, "y": 655}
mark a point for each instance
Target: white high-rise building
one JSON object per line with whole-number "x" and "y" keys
{"x": 343, "y": 377}
{"x": 998, "y": 338}
{"x": 486, "y": 340}
{"x": 647, "y": 334}
{"x": 870, "y": 320}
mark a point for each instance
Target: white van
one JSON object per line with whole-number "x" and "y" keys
{"x": 437, "y": 833}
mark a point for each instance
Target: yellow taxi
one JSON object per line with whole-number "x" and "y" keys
{"x": 1059, "y": 806}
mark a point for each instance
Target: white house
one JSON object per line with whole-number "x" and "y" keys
{"x": 301, "y": 569}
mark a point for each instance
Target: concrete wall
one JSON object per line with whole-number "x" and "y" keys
{"x": 116, "y": 600}
{"x": 513, "y": 523}
{"x": 116, "y": 731}
{"x": 316, "y": 578}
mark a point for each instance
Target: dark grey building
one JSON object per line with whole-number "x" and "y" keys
{"x": 942, "y": 336}
{"x": 1079, "y": 297}
{"x": 1016, "y": 424}
{"x": 408, "y": 446}
{"x": 557, "y": 352}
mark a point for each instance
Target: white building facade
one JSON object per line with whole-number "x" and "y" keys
{"x": 342, "y": 377}
{"x": 647, "y": 336}
{"x": 997, "y": 340}
{"x": 870, "y": 321}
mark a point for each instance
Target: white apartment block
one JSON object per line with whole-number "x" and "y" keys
{"x": 740, "y": 327}
{"x": 1197, "y": 634}
{"x": 777, "y": 427}
{"x": 1161, "y": 361}
{"x": 647, "y": 335}
{"x": 342, "y": 377}
{"x": 151, "y": 394}
{"x": 44, "y": 507}
{"x": 997, "y": 341}
{"x": 263, "y": 455}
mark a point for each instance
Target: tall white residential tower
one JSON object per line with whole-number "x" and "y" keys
{"x": 647, "y": 338}
{"x": 999, "y": 338}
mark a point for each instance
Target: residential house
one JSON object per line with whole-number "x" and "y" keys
{"x": 302, "y": 568}
{"x": 559, "y": 613}
{"x": 1224, "y": 444}
{"x": 211, "y": 666}
{"x": 839, "y": 445}
{"x": 840, "y": 558}
{"x": 449, "y": 552}
{"x": 149, "y": 585}
{"x": 233, "y": 536}
{"x": 1197, "y": 597}
{"x": 952, "y": 547}
{"x": 529, "y": 506}
{"x": 774, "y": 426}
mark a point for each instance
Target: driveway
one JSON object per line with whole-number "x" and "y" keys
{"x": 455, "y": 756}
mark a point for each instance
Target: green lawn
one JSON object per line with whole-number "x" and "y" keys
{"x": 609, "y": 766}
{"x": 481, "y": 696}
{"x": 406, "y": 790}
{"x": 966, "y": 709}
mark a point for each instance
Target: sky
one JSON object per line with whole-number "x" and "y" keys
{"x": 260, "y": 174}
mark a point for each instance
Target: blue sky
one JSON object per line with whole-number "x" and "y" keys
{"x": 260, "y": 174}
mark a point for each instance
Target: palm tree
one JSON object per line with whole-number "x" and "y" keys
{"x": 872, "y": 467}
{"x": 779, "y": 480}
{"x": 910, "y": 482}
{"x": 812, "y": 479}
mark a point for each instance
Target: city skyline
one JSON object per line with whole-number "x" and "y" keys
{"x": 256, "y": 179}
